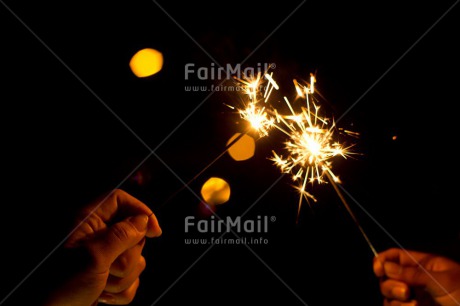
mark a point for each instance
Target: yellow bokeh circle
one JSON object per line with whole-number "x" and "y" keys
{"x": 146, "y": 62}
{"x": 215, "y": 191}
{"x": 243, "y": 148}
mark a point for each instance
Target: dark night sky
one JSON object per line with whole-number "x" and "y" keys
{"x": 62, "y": 144}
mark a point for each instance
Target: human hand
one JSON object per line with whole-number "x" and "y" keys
{"x": 410, "y": 278}
{"x": 108, "y": 243}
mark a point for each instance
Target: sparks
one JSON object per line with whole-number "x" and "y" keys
{"x": 311, "y": 143}
{"x": 256, "y": 109}
{"x": 312, "y": 140}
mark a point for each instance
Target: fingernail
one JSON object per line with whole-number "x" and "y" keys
{"x": 400, "y": 293}
{"x": 158, "y": 232}
{"x": 140, "y": 222}
{"x": 378, "y": 268}
{"x": 157, "y": 229}
{"x": 106, "y": 298}
{"x": 392, "y": 268}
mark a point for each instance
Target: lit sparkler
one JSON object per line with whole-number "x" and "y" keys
{"x": 312, "y": 144}
{"x": 256, "y": 111}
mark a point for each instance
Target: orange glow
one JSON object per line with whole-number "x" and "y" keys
{"x": 243, "y": 149}
{"x": 215, "y": 191}
{"x": 146, "y": 62}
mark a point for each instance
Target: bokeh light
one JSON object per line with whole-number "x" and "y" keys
{"x": 215, "y": 191}
{"x": 243, "y": 149}
{"x": 146, "y": 62}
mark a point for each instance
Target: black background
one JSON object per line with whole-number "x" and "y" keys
{"x": 62, "y": 144}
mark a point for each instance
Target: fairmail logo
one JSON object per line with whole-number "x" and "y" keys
{"x": 228, "y": 71}
{"x": 228, "y": 224}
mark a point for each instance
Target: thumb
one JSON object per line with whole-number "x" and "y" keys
{"x": 413, "y": 276}
{"x": 118, "y": 238}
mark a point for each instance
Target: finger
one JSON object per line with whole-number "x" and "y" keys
{"x": 127, "y": 261}
{"x": 94, "y": 217}
{"x": 118, "y": 202}
{"x": 378, "y": 267}
{"x": 389, "y": 302}
{"x": 122, "y": 205}
{"x": 413, "y": 276}
{"x": 115, "y": 241}
{"x": 117, "y": 284}
{"x": 402, "y": 256}
{"x": 393, "y": 289}
{"x": 154, "y": 229}
{"x": 121, "y": 298}
{"x": 411, "y": 303}
{"x": 111, "y": 208}
{"x": 86, "y": 228}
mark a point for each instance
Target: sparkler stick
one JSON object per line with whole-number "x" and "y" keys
{"x": 344, "y": 202}
{"x": 311, "y": 145}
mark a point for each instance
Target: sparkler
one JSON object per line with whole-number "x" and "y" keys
{"x": 312, "y": 139}
{"x": 257, "y": 114}
{"x": 312, "y": 144}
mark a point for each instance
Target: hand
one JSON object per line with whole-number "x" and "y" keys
{"x": 414, "y": 279}
{"x": 108, "y": 242}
